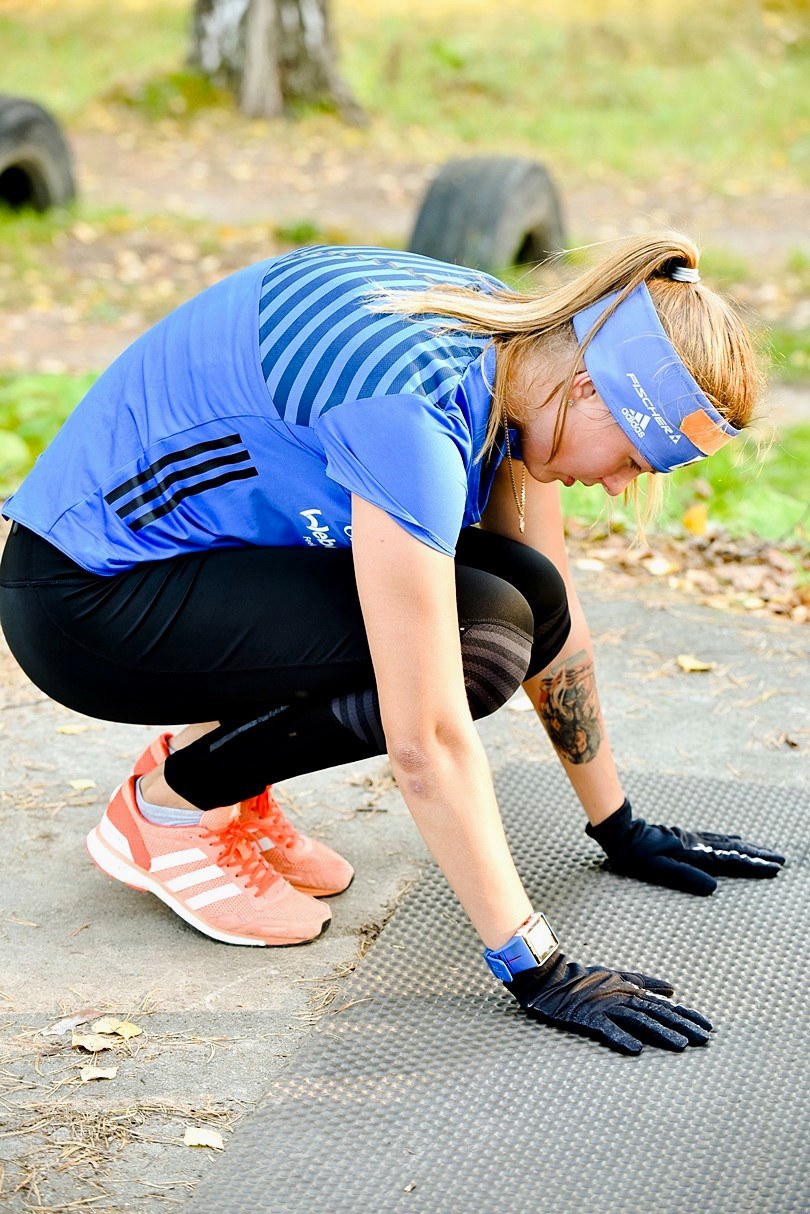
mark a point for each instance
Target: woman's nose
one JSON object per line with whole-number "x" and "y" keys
{"x": 617, "y": 482}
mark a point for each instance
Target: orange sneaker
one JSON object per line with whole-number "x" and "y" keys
{"x": 211, "y": 875}
{"x": 306, "y": 863}
{"x": 309, "y": 865}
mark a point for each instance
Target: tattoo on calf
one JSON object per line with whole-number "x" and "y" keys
{"x": 569, "y": 707}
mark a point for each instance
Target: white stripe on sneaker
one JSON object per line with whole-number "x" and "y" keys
{"x": 214, "y": 895}
{"x": 174, "y": 859}
{"x": 198, "y": 876}
{"x": 265, "y": 844}
{"x": 112, "y": 835}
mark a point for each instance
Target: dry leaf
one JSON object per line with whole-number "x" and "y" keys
{"x": 696, "y": 518}
{"x": 121, "y": 1028}
{"x": 127, "y": 1029}
{"x": 72, "y": 728}
{"x": 70, "y": 1022}
{"x": 92, "y": 1042}
{"x": 81, "y": 785}
{"x": 199, "y": 1136}
{"x": 689, "y": 664}
{"x": 659, "y": 566}
{"x": 87, "y": 1073}
{"x": 107, "y": 1024}
{"x": 589, "y": 564}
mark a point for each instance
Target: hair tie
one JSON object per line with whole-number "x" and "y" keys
{"x": 684, "y": 274}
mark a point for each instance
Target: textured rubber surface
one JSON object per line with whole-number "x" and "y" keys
{"x": 434, "y": 1082}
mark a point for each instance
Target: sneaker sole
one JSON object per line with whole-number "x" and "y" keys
{"x": 318, "y": 893}
{"x": 112, "y": 864}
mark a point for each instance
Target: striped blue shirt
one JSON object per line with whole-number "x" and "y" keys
{"x": 203, "y": 435}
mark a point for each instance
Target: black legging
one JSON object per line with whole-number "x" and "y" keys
{"x": 270, "y": 642}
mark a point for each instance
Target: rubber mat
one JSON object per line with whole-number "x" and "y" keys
{"x": 427, "y": 1091}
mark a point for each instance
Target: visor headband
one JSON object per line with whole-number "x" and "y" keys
{"x": 648, "y": 390}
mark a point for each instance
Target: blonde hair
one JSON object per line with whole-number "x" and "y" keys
{"x": 708, "y": 336}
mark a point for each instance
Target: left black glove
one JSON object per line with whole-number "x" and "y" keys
{"x": 680, "y": 859}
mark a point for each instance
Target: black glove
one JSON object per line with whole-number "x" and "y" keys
{"x": 680, "y": 859}
{"x": 623, "y": 1010}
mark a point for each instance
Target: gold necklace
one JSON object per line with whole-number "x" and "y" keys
{"x": 520, "y": 502}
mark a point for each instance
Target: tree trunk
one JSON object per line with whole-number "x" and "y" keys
{"x": 271, "y": 53}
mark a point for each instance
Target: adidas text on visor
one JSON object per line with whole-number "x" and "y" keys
{"x": 638, "y": 374}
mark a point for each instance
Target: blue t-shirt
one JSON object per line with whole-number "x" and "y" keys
{"x": 249, "y": 416}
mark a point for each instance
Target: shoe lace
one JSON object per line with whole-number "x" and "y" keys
{"x": 279, "y": 827}
{"x": 238, "y": 850}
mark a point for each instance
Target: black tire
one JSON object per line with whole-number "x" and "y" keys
{"x": 490, "y": 212}
{"x": 35, "y": 165}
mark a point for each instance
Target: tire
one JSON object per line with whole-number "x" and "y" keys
{"x": 35, "y": 164}
{"x": 490, "y": 212}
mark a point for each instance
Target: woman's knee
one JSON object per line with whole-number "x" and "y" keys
{"x": 497, "y": 635}
{"x": 532, "y": 575}
{"x": 551, "y": 614}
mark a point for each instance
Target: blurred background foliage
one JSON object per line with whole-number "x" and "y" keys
{"x": 714, "y": 92}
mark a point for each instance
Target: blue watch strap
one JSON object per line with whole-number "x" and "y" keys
{"x": 533, "y": 943}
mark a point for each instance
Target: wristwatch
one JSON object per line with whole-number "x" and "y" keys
{"x": 532, "y": 944}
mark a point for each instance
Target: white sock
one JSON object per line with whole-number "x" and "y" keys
{"x": 163, "y": 815}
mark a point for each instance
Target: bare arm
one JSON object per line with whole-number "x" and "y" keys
{"x": 564, "y": 695}
{"x": 407, "y": 593}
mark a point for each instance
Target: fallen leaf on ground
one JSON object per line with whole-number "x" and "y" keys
{"x": 70, "y": 1022}
{"x": 72, "y": 728}
{"x": 696, "y": 518}
{"x": 659, "y": 566}
{"x": 111, "y": 1025}
{"x": 88, "y": 1073}
{"x": 107, "y": 1024}
{"x": 92, "y": 1042}
{"x": 199, "y": 1136}
{"x": 692, "y": 665}
{"x": 127, "y": 1029}
{"x": 589, "y": 564}
{"x": 81, "y": 785}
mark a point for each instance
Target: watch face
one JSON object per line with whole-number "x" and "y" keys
{"x": 541, "y": 940}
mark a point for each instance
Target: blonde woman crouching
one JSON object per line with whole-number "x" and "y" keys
{"x": 315, "y": 511}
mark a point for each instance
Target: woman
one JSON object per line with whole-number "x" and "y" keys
{"x": 273, "y": 535}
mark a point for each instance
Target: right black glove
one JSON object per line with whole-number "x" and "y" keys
{"x": 622, "y": 1010}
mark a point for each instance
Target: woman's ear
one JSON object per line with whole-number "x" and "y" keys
{"x": 582, "y": 387}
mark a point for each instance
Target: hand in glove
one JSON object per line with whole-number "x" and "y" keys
{"x": 622, "y": 1010}
{"x": 681, "y": 859}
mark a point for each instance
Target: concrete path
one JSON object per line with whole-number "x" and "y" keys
{"x": 219, "y": 1022}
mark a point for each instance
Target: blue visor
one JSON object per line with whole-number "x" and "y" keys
{"x": 638, "y": 374}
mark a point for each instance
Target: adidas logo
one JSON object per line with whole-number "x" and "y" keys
{"x": 638, "y": 421}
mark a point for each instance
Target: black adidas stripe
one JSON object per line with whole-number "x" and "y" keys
{"x": 143, "y": 520}
{"x": 163, "y": 483}
{"x": 134, "y": 482}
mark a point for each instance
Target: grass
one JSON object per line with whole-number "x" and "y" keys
{"x": 788, "y": 351}
{"x": 67, "y": 55}
{"x": 742, "y": 494}
{"x": 32, "y": 408}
